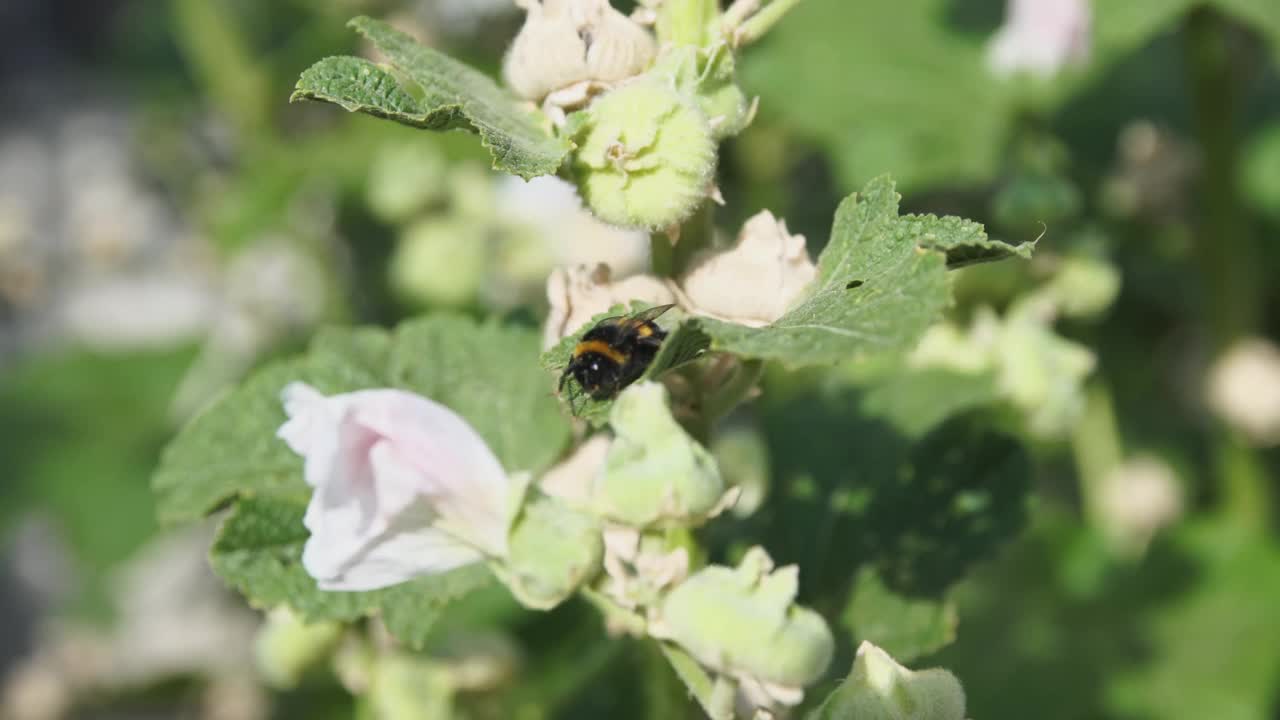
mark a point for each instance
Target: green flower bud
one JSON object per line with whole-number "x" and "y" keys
{"x": 707, "y": 75}
{"x": 879, "y": 688}
{"x": 410, "y": 687}
{"x": 286, "y": 647}
{"x": 1042, "y": 372}
{"x": 405, "y": 179}
{"x": 645, "y": 155}
{"x": 440, "y": 261}
{"x": 1084, "y": 286}
{"x": 743, "y": 622}
{"x": 655, "y": 474}
{"x": 552, "y": 551}
{"x": 743, "y": 457}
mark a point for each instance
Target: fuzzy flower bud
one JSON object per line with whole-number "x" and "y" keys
{"x": 581, "y": 292}
{"x": 879, "y": 688}
{"x": 1042, "y": 372}
{"x": 287, "y": 647}
{"x": 744, "y": 622}
{"x": 645, "y": 155}
{"x": 574, "y": 42}
{"x": 440, "y": 261}
{"x": 1244, "y": 390}
{"x": 553, "y": 551}
{"x": 1041, "y": 37}
{"x": 655, "y": 474}
{"x": 756, "y": 281}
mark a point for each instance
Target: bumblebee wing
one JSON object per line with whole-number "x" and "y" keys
{"x": 649, "y": 315}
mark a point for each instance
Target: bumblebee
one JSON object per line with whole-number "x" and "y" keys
{"x": 615, "y": 353}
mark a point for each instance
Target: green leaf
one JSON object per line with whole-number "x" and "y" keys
{"x": 851, "y": 490}
{"x": 489, "y": 374}
{"x": 906, "y": 628}
{"x": 358, "y": 85}
{"x": 259, "y": 551}
{"x": 916, "y": 401}
{"x": 453, "y": 96}
{"x": 933, "y": 116}
{"x": 876, "y": 292}
{"x": 965, "y": 242}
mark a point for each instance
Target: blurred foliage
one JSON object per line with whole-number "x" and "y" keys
{"x": 925, "y": 516}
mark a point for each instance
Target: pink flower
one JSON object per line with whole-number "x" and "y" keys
{"x": 403, "y": 487}
{"x": 1041, "y": 36}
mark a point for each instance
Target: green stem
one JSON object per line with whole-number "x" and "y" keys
{"x": 760, "y": 23}
{"x": 1225, "y": 251}
{"x": 1097, "y": 447}
{"x": 661, "y": 255}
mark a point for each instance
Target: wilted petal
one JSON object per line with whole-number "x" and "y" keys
{"x": 403, "y": 487}
{"x": 581, "y": 292}
{"x": 756, "y": 281}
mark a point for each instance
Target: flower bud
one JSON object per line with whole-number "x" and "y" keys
{"x": 552, "y": 551}
{"x": 567, "y": 42}
{"x": 743, "y": 456}
{"x": 655, "y": 474}
{"x": 287, "y": 647}
{"x": 743, "y": 622}
{"x": 1042, "y": 372}
{"x": 410, "y": 687}
{"x": 879, "y": 688}
{"x": 1084, "y": 287}
{"x": 440, "y": 262}
{"x": 405, "y": 179}
{"x": 645, "y": 155}
{"x": 756, "y": 281}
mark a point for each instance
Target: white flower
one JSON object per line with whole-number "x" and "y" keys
{"x": 1244, "y": 389}
{"x": 1041, "y": 37}
{"x": 403, "y": 487}
{"x": 581, "y": 292}
{"x": 756, "y": 281}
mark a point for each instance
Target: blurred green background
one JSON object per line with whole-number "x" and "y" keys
{"x": 168, "y": 221}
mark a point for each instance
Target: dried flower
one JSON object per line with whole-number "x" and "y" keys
{"x": 756, "y": 281}
{"x": 581, "y": 292}
{"x": 572, "y": 48}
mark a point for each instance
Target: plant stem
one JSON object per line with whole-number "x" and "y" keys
{"x": 760, "y": 23}
{"x": 1226, "y": 252}
{"x": 1097, "y": 447}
